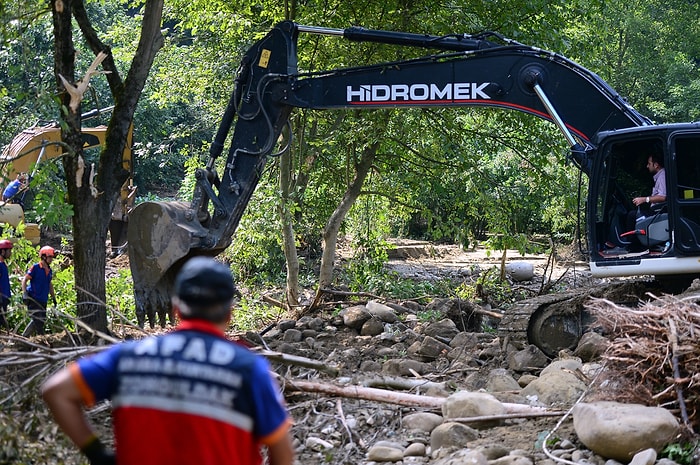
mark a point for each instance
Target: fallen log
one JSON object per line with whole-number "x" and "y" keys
{"x": 391, "y": 397}
{"x": 287, "y": 359}
{"x": 406, "y": 384}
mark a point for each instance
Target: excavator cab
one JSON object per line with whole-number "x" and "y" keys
{"x": 663, "y": 240}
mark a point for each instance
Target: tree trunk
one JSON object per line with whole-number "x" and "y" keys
{"x": 93, "y": 190}
{"x": 288, "y": 235}
{"x": 330, "y": 231}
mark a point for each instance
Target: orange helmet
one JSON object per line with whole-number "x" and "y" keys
{"x": 5, "y": 244}
{"x": 46, "y": 250}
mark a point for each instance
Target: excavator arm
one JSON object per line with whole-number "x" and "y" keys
{"x": 464, "y": 70}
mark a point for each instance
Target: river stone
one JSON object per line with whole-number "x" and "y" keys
{"x": 463, "y": 457}
{"x": 556, "y": 388}
{"x": 428, "y": 349}
{"x": 618, "y": 431}
{"x": 500, "y": 380}
{"x": 452, "y": 434}
{"x": 526, "y": 379}
{"x": 444, "y": 329}
{"x": 466, "y": 404}
{"x": 354, "y": 317}
{"x": 520, "y": 271}
{"x": 571, "y": 364}
{"x": 314, "y": 323}
{"x": 381, "y": 311}
{"x": 531, "y": 357}
{"x": 493, "y": 451}
{"x": 512, "y": 460}
{"x": 372, "y": 327}
{"x": 405, "y": 367}
{"x": 417, "y": 449}
{"x": 292, "y": 335}
{"x": 645, "y": 457}
{"x": 286, "y": 324}
{"x": 464, "y": 340}
{"x": 317, "y": 444}
{"x": 384, "y": 454}
{"x": 591, "y": 346}
{"x": 421, "y": 421}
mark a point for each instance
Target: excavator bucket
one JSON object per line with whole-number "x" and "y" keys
{"x": 161, "y": 235}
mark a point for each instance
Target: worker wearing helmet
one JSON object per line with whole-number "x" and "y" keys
{"x": 191, "y": 381}
{"x": 5, "y": 291}
{"x": 37, "y": 286}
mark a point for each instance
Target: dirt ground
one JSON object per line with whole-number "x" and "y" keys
{"x": 340, "y": 430}
{"x": 326, "y": 418}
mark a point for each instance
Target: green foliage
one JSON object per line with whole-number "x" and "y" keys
{"x": 119, "y": 288}
{"x": 48, "y": 204}
{"x": 250, "y": 314}
{"x": 367, "y": 262}
{"x": 682, "y": 453}
{"x": 256, "y": 254}
{"x": 24, "y": 255}
{"x": 488, "y": 288}
{"x": 120, "y": 297}
{"x": 544, "y": 438}
{"x": 429, "y": 316}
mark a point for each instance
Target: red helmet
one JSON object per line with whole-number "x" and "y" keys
{"x": 46, "y": 250}
{"x": 5, "y": 244}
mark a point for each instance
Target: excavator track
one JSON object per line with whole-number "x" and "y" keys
{"x": 554, "y": 322}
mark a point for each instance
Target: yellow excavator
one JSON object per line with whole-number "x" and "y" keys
{"x": 38, "y": 144}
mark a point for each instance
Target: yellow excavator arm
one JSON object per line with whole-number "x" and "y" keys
{"x": 38, "y": 144}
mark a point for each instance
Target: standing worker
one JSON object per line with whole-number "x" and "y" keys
{"x": 37, "y": 285}
{"x": 204, "y": 399}
{"x": 5, "y": 290}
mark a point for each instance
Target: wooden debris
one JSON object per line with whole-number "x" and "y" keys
{"x": 654, "y": 356}
{"x": 392, "y": 397}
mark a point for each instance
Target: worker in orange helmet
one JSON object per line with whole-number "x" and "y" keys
{"x": 5, "y": 291}
{"x": 37, "y": 286}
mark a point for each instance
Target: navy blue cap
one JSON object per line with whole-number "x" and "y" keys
{"x": 204, "y": 281}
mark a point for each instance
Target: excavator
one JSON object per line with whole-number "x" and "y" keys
{"x": 40, "y": 143}
{"x": 609, "y": 142}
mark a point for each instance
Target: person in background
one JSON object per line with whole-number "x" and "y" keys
{"x": 37, "y": 286}
{"x": 10, "y": 194}
{"x": 201, "y": 398}
{"x": 5, "y": 290}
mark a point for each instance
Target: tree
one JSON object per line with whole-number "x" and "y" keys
{"x": 93, "y": 190}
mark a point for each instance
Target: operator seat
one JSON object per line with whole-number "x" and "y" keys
{"x": 652, "y": 230}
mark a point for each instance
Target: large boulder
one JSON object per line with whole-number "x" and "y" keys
{"x": 618, "y": 431}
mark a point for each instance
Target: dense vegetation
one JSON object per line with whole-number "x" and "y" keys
{"x": 439, "y": 174}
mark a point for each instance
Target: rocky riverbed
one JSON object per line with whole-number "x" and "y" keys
{"x": 411, "y": 382}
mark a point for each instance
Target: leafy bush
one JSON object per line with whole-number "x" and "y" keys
{"x": 683, "y": 453}
{"x": 250, "y": 314}
{"x": 256, "y": 255}
{"x": 120, "y": 297}
{"x": 48, "y": 201}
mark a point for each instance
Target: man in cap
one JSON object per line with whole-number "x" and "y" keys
{"x": 189, "y": 396}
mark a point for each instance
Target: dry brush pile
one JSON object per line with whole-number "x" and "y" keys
{"x": 654, "y": 354}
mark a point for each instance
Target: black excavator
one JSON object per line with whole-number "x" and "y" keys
{"x": 609, "y": 141}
